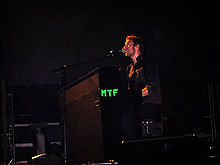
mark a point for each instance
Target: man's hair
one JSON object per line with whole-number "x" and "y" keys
{"x": 137, "y": 41}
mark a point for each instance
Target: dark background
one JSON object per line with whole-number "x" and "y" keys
{"x": 182, "y": 37}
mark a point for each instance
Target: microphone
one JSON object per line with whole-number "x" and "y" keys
{"x": 113, "y": 53}
{"x": 122, "y": 51}
{"x": 119, "y": 51}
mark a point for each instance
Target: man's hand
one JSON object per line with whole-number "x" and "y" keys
{"x": 145, "y": 91}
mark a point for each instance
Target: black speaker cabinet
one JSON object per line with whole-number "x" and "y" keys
{"x": 93, "y": 116}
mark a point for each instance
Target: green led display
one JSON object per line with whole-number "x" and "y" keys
{"x": 108, "y": 92}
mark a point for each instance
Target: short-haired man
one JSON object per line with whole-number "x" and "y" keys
{"x": 144, "y": 87}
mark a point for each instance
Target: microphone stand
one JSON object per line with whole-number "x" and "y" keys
{"x": 61, "y": 72}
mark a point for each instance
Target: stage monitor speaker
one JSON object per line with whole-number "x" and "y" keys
{"x": 187, "y": 149}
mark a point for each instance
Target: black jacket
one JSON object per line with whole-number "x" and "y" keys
{"x": 142, "y": 74}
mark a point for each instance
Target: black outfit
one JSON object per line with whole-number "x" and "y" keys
{"x": 142, "y": 74}
{"x": 138, "y": 107}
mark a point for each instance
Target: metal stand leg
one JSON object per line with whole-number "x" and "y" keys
{"x": 61, "y": 71}
{"x": 213, "y": 106}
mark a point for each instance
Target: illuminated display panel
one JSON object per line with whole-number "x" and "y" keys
{"x": 108, "y": 92}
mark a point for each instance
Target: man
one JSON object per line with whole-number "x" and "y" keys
{"x": 134, "y": 49}
{"x": 144, "y": 87}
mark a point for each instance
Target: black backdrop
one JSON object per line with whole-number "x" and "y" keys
{"x": 182, "y": 37}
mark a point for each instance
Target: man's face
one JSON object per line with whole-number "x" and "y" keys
{"x": 129, "y": 48}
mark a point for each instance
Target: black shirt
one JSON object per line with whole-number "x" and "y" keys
{"x": 140, "y": 75}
